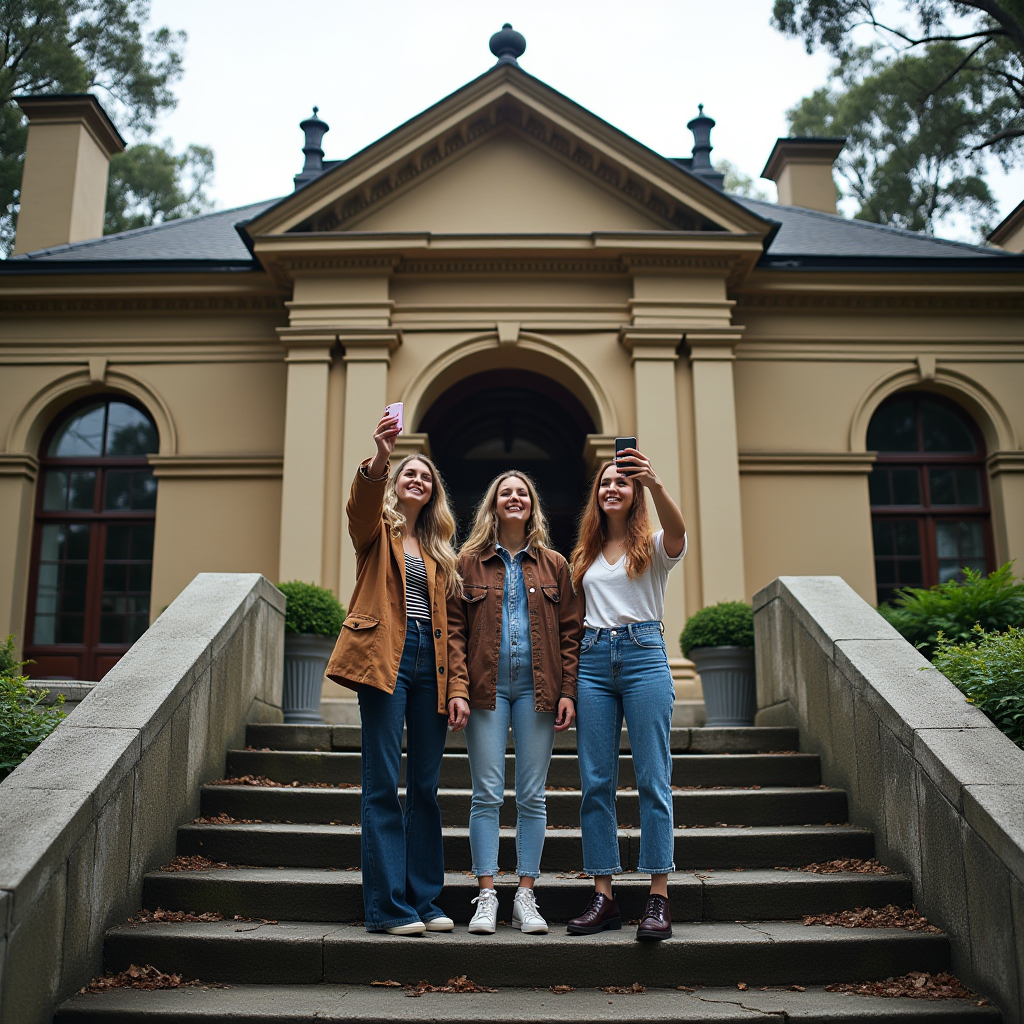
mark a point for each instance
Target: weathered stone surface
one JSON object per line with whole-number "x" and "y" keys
{"x": 811, "y": 696}
{"x": 152, "y": 810}
{"x": 112, "y": 865}
{"x": 773, "y": 650}
{"x": 996, "y": 813}
{"x": 904, "y": 690}
{"x": 77, "y": 958}
{"x": 994, "y": 965}
{"x": 839, "y": 752}
{"x": 865, "y": 797}
{"x": 1017, "y": 911}
{"x": 955, "y": 758}
{"x": 900, "y": 836}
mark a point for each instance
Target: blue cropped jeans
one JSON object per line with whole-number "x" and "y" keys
{"x": 402, "y": 854}
{"x": 624, "y": 672}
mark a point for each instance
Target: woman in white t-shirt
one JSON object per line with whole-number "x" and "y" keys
{"x": 623, "y": 567}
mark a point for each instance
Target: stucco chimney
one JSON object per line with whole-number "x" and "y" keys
{"x": 802, "y": 169}
{"x": 64, "y": 180}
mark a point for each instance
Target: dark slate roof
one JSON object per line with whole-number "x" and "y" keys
{"x": 804, "y": 239}
{"x": 209, "y": 241}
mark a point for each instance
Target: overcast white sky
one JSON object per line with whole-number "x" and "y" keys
{"x": 254, "y": 68}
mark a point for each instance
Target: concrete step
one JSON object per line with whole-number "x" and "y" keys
{"x": 687, "y": 769}
{"x": 762, "y": 953}
{"x": 754, "y": 740}
{"x": 285, "y": 1004}
{"x": 309, "y": 894}
{"x": 765, "y": 806}
{"x": 337, "y": 846}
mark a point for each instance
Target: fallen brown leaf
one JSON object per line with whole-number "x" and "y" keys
{"x": 915, "y": 985}
{"x": 636, "y": 989}
{"x": 889, "y": 916}
{"x": 173, "y": 916}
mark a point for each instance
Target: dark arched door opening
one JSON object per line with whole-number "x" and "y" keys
{"x": 512, "y": 419}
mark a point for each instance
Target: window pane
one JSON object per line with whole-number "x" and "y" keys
{"x": 137, "y": 625}
{"x": 52, "y": 543}
{"x": 130, "y": 490}
{"x": 127, "y": 572}
{"x": 55, "y": 491}
{"x": 142, "y": 543}
{"x": 115, "y": 574}
{"x": 942, "y": 486}
{"x": 946, "y": 540}
{"x": 883, "y": 537}
{"x": 144, "y": 490}
{"x": 972, "y": 540}
{"x": 878, "y": 486}
{"x": 119, "y": 490}
{"x": 943, "y": 430}
{"x": 72, "y": 629}
{"x": 968, "y": 486}
{"x": 906, "y": 487}
{"x": 82, "y": 436}
{"x": 111, "y": 629}
{"x": 61, "y": 584}
{"x": 908, "y": 538}
{"x": 77, "y": 540}
{"x": 117, "y": 541}
{"x": 129, "y": 432}
{"x": 72, "y": 596}
{"x": 45, "y": 630}
{"x": 893, "y": 427}
{"x": 140, "y": 577}
{"x": 81, "y": 488}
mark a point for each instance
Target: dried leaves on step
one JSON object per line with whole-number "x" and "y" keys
{"x": 854, "y": 865}
{"x": 262, "y": 780}
{"x": 173, "y": 916}
{"x": 889, "y": 916}
{"x": 148, "y": 978}
{"x": 225, "y": 819}
{"x": 389, "y": 983}
{"x": 636, "y": 989}
{"x": 915, "y": 985}
{"x": 458, "y": 985}
{"x": 197, "y": 862}
{"x": 561, "y": 990}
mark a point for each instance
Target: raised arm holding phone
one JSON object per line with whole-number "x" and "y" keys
{"x": 393, "y": 651}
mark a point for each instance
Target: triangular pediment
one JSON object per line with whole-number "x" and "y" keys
{"x": 504, "y": 155}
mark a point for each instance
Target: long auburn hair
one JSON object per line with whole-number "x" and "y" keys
{"x": 593, "y": 532}
{"x": 435, "y": 526}
{"x": 485, "y": 520}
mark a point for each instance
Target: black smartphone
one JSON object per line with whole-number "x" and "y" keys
{"x": 620, "y": 443}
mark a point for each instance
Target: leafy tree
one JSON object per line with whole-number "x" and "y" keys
{"x": 25, "y": 718}
{"x": 99, "y": 46}
{"x": 925, "y": 100}
{"x": 737, "y": 182}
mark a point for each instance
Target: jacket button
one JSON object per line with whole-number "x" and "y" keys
{"x": 533, "y": 590}
{"x": 437, "y": 633}
{"x": 440, "y": 669}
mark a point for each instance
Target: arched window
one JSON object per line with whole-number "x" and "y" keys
{"x": 92, "y": 552}
{"x": 929, "y": 493}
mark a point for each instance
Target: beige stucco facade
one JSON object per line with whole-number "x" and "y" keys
{"x": 501, "y": 230}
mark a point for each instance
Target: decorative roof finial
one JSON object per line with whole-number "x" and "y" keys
{"x": 701, "y": 164}
{"x": 314, "y": 130}
{"x": 508, "y": 45}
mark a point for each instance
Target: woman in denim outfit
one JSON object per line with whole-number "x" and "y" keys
{"x": 393, "y": 650}
{"x": 514, "y": 638}
{"x": 622, "y": 566}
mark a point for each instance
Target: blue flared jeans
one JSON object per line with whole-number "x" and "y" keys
{"x": 402, "y": 852}
{"x": 624, "y": 672}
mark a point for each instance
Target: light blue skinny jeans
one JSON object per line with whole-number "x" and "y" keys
{"x": 534, "y": 733}
{"x": 624, "y": 671}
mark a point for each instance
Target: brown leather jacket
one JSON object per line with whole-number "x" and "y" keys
{"x": 369, "y": 649}
{"x": 556, "y": 627}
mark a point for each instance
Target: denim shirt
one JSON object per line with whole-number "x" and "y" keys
{"x": 515, "y": 664}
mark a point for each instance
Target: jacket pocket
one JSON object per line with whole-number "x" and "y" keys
{"x": 551, "y": 591}
{"x": 473, "y": 593}
{"x": 360, "y": 622}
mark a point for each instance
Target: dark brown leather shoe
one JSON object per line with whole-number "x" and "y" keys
{"x": 602, "y": 913}
{"x": 657, "y": 921}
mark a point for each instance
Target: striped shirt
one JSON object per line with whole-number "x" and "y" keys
{"x": 417, "y": 596}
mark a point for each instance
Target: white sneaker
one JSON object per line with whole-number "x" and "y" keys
{"x": 415, "y": 928}
{"x": 485, "y": 920}
{"x": 525, "y": 915}
{"x": 440, "y": 924}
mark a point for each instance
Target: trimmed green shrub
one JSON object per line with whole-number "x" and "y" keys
{"x": 989, "y": 671}
{"x": 24, "y": 720}
{"x": 995, "y": 602}
{"x": 311, "y": 609}
{"x": 729, "y": 624}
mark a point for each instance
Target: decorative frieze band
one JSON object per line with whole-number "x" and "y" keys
{"x": 930, "y": 302}
{"x": 142, "y": 304}
{"x": 806, "y": 462}
{"x": 218, "y": 467}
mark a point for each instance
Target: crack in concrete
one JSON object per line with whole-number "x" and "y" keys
{"x": 743, "y": 1006}
{"x": 759, "y": 931}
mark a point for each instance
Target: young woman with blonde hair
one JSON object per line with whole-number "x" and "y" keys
{"x": 515, "y": 633}
{"x": 393, "y": 650}
{"x": 622, "y": 566}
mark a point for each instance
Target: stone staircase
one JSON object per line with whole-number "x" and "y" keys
{"x": 292, "y": 945}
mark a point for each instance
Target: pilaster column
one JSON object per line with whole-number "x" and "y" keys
{"x": 367, "y": 358}
{"x": 718, "y": 471}
{"x": 653, "y": 354}
{"x": 305, "y": 453}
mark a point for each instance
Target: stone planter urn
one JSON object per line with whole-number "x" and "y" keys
{"x": 727, "y": 677}
{"x": 305, "y": 661}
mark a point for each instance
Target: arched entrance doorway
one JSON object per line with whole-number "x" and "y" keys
{"x": 512, "y": 419}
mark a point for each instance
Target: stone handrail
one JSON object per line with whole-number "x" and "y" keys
{"x": 97, "y": 804}
{"x": 940, "y": 785}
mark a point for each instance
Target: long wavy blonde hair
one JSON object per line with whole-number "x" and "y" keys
{"x": 593, "y": 532}
{"x": 435, "y": 526}
{"x": 485, "y": 522}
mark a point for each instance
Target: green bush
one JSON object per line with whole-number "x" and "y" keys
{"x": 24, "y": 720}
{"x": 953, "y": 609}
{"x": 311, "y": 609}
{"x": 989, "y": 671}
{"x": 729, "y": 624}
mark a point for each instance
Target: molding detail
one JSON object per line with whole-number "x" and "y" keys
{"x": 806, "y": 462}
{"x": 143, "y": 304}
{"x": 1005, "y": 462}
{"x": 411, "y": 444}
{"x": 216, "y": 467}
{"x": 19, "y": 464}
{"x": 598, "y": 448}
{"x": 929, "y": 302}
{"x": 511, "y": 266}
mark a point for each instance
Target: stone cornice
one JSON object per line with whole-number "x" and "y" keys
{"x": 779, "y": 462}
{"x": 19, "y": 464}
{"x": 1005, "y": 462}
{"x": 106, "y": 304}
{"x": 914, "y": 302}
{"x": 487, "y": 265}
{"x": 185, "y": 467}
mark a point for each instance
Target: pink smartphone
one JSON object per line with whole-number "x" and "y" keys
{"x": 396, "y": 409}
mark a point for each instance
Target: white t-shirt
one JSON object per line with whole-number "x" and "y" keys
{"x": 613, "y": 599}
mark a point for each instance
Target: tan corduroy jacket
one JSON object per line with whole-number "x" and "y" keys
{"x": 369, "y": 649}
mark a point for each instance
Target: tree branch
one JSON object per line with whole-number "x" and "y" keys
{"x": 1011, "y": 25}
{"x": 1007, "y": 133}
